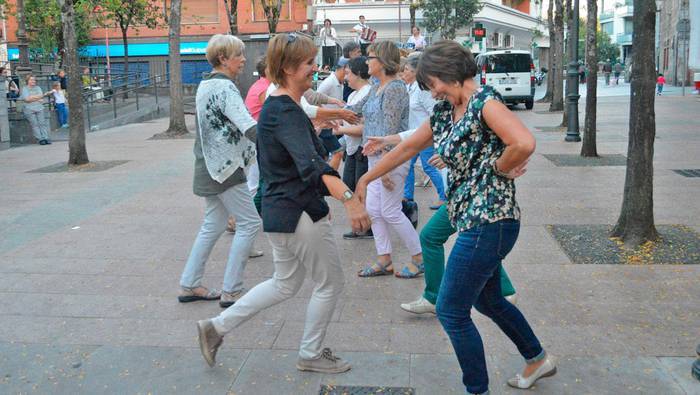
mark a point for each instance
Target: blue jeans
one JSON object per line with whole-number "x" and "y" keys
{"x": 432, "y": 172}
{"x": 62, "y": 114}
{"x": 473, "y": 278}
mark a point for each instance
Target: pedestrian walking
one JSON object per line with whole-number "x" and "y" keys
{"x": 485, "y": 146}
{"x": 224, "y": 147}
{"x": 617, "y": 70}
{"x": 607, "y": 70}
{"x": 59, "y": 99}
{"x": 421, "y": 108}
{"x": 386, "y": 111}
{"x": 357, "y": 77}
{"x": 329, "y": 43}
{"x": 295, "y": 213}
{"x": 33, "y": 110}
{"x": 660, "y": 82}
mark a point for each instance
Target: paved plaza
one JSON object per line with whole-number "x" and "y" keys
{"x": 90, "y": 264}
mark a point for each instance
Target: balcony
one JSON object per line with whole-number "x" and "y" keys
{"x": 626, "y": 11}
{"x": 607, "y": 15}
{"x": 624, "y": 39}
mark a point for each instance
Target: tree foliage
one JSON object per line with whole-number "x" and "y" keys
{"x": 45, "y": 29}
{"x": 448, "y": 16}
{"x": 605, "y": 48}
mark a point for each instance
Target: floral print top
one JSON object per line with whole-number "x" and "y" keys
{"x": 475, "y": 194}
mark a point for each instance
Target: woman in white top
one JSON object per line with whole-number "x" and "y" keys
{"x": 416, "y": 39}
{"x": 328, "y": 44}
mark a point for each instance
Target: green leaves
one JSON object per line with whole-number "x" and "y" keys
{"x": 130, "y": 13}
{"x": 448, "y": 16}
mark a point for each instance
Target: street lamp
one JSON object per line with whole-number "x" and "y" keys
{"x": 572, "y": 96}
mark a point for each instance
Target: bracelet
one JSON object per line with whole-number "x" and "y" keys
{"x": 498, "y": 172}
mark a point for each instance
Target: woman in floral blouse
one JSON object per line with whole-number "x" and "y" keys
{"x": 485, "y": 147}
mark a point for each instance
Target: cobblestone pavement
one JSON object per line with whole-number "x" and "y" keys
{"x": 90, "y": 262}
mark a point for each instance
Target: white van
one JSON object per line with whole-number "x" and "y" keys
{"x": 511, "y": 73}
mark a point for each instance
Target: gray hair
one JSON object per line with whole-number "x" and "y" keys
{"x": 223, "y": 46}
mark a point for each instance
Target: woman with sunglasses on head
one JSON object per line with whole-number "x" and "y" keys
{"x": 294, "y": 212}
{"x": 385, "y": 110}
{"x": 485, "y": 146}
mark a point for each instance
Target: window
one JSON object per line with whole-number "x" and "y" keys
{"x": 608, "y": 28}
{"x": 508, "y": 40}
{"x": 507, "y": 63}
{"x": 200, "y": 11}
{"x": 496, "y": 40}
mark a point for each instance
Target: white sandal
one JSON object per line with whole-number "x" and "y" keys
{"x": 547, "y": 369}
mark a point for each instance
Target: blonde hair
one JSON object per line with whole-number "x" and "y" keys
{"x": 223, "y": 46}
{"x": 287, "y": 51}
{"x": 388, "y": 54}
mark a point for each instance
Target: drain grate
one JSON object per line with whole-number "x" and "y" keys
{"x": 327, "y": 389}
{"x": 690, "y": 173}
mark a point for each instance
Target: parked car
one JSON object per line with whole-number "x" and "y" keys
{"x": 511, "y": 73}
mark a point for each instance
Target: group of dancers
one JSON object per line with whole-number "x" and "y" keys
{"x": 261, "y": 160}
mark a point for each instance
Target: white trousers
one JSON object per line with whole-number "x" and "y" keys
{"x": 311, "y": 248}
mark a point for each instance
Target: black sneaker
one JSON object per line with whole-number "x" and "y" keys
{"x": 357, "y": 236}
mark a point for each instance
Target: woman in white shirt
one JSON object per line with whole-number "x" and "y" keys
{"x": 357, "y": 76}
{"x": 329, "y": 39}
{"x": 416, "y": 39}
{"x": 421, "y": 109}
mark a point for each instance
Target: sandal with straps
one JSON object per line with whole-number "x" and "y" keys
{"x": 407, "y": 273}
{"x": 376, "y": 269}
{"x": 188, "y": 295}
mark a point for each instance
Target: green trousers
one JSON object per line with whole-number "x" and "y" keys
{"x": 432, "y": 240}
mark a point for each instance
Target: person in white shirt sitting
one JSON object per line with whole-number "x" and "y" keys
{"x": 417, "y": 41}
{"x": 329, "y": 43}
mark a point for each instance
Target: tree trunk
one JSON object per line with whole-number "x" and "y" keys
{"x": 636, "y": 223}
{"x": 77, "y": 153}
{"x": 177, "y": 110}
{"x": 412, "y": 14}
{"x": 556, "y": 73}
{"x": 552, "y": 43}
{"x": 126, "y": 62}
{"x": 588, "y": 147}
{"x": 232, "y": 14}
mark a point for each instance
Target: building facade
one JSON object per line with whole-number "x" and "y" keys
{"x": 510, "y": 24}
{"x": 148, "y": 48}
{"x": 678, "y": 43}
{"x": 616, "y": 20}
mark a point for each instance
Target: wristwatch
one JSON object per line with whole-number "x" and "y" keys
{"x": 347, "y": 195}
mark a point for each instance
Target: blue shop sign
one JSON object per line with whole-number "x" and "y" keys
{"x": 140, "y": 49}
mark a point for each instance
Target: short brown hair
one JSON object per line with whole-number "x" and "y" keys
{"x": 223, "y": 46}
{"x": 388, "y": 54}
{"x": 287, "y": 51}
{"x": 261, "y": 66}
{"x": 447, "y": 61}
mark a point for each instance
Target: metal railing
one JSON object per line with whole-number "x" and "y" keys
{"x": 104, "y": 102}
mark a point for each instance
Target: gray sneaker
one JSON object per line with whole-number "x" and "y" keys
{"x": 326, "y": 363}
{"x": 209, "y": 341}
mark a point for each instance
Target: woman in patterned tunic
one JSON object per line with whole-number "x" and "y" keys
{"x": 485, "y": 146}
